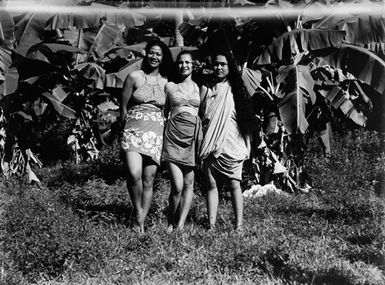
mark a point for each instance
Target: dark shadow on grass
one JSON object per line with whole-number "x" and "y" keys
{"x": 108, "y": 214}
{"x": 277, "y": 265}
{"x": 374, "y": 258}
{"x": 348, "y": 214}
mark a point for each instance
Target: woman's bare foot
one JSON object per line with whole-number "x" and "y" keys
{"x": 179, "y": 227}
{"x": 239, "y": 228}
{"x": 140, "y": 220}
{"x": 170, "y": 228}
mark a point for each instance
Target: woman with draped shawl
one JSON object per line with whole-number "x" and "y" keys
{"x": 227, "y": 123}
{"x": 181, "y": 138}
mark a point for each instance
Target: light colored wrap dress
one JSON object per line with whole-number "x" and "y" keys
{"x": 144, "y": 121}
{"x": 223, "y": 147}
{"x": 183, "y": 131}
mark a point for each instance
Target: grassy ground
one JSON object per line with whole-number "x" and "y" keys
{"x": 76, "y": 228}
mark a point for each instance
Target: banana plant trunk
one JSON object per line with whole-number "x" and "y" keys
{"x": 178, "y": 20}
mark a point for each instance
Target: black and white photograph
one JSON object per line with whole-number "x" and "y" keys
{"x": 192, "y": 142}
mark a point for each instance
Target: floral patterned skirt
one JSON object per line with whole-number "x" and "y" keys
{"x": 143, "y": 131}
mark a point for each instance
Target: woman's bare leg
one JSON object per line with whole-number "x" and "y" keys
{"x": 176, "y": 191}
{"x": 212, "y": 199}
{"x": 149, "y": 172}
{"x": 186, "y": 198}
{"x": 237, "y": 201}
{"x": 134, "y": 164}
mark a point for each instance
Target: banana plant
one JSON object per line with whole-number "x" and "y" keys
{"x": 57, "y": 64}
{"x": 317, "y": 66}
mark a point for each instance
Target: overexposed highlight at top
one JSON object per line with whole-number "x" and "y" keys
{"x": 68, "y": 7}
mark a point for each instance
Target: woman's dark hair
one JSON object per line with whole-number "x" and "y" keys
{"x": 165, "y": 65}
{"x": 247, "y": 122}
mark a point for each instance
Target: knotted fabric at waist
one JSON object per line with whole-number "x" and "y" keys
{"x": 189, "y": 109}
{"x": 146, "y": 106}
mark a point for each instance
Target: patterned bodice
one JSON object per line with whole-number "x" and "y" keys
{"x": 181, "y": 98}
{"x": 149, "y": 93}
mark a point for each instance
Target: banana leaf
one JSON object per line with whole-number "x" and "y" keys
{"x": 31, "y": 67}
{"x": 62, "y": 109}
{"x": 47, "y": 52}
{"x": 56, "y": 47}
{"x": 127, "y": 20}
{"x": 377, "y": 48}
{"x": 299, "y": 40}
{"x": 7, "y": 26}
{"x": 93, "y": 20}
{"x": 9, "y": 77}
{"x": 118, "y": 56}
{"x": 329, "y": 81}
{"x": 5, "y": 60}
{"x": 82, "y": 39}
{"x": 192, "y": 34}
{"x": 10, "y": 83}
{"x": 138, "y": 48}
{"x": 252, "y": 80}
{"x": 122, "y": 52}
{"x": 37, "y": 55}
{"x": 361, "y": 63}
{"x": 336, "y": 96}
{"x": 360, "y": 29}
{"x": 30, "y": 31}
{"x": 93, "y": 73}
{"x": 211, "y": 33}
{"x": 107, "y": 37}
{"x": 39, "y": 107}
{"x": 295, "y": 90}
{"x": 116, "y": 79}
{"x": 59, "y": 94}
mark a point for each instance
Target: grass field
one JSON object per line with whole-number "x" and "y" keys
{"x": 75, "y": 228}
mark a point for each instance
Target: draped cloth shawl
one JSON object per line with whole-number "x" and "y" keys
{"x": 223, "y": 147}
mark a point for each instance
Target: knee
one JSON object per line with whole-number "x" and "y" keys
{"x": 211, "y": 188}
{"x": 134, "y": 177}
{"x": 148, "y": 182}
{"x": 177, "y": 188}
{"x": 188, "y": 185}
{"x": 235, "y": 185}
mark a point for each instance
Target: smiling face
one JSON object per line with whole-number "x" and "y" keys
{"x": 185, "y": 65}
{"x": 155, "y": 56}
{"x": 221, "y": 67}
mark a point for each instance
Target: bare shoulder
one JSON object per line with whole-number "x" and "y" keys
{"x": 205, "y": 92}
{"x": 136, "y": 75}
{"x": 170, "y": 86}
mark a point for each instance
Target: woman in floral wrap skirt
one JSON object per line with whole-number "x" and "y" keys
{"x": 143, "y": 98}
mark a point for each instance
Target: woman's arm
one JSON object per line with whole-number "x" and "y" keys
{"x": 128, "y": 87}
{"x": 167, "y": 106}
{"x": 203, "y": 95}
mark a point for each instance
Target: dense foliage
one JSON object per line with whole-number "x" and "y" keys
{"x": 61, "y": 76}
